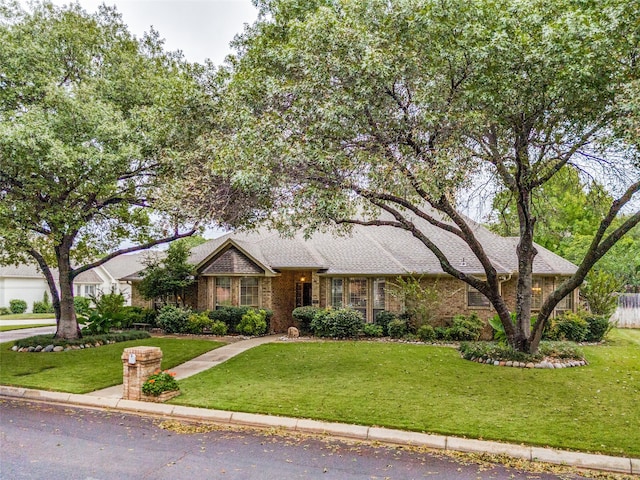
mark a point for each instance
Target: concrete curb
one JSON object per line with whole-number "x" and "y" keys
{"x": 354, "y": 432}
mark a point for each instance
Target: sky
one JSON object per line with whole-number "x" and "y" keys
{"x": 200, "y": 28}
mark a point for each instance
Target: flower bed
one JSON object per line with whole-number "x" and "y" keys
{"x": 160, "y": 383}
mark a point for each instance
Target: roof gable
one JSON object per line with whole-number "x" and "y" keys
{"x": 232, "y": 261}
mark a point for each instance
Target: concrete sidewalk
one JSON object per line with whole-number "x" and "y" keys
{"x": 199, "y": 364}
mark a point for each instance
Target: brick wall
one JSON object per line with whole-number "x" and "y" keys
{"x": 283, "y": 299}
{"x": 136, "y": 297}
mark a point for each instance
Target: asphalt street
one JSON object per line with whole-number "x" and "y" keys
{"x": 56, "y": 442}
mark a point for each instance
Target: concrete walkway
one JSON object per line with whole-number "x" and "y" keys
{"x": 199, "y": 364}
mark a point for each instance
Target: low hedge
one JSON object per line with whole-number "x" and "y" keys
{"x": 45, "y": 340}
{"x": 502, "y": 352}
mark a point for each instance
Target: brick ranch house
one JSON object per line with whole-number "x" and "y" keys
{"x": 263, "y": 269}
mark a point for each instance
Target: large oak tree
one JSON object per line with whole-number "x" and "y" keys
{"x": 379, "y": 113}
{"x": 95, "y": 129}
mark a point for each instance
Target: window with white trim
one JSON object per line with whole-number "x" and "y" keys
{"x": 85, "y": 290}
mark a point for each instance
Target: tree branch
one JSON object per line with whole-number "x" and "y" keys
{"x": 97, "y": 263}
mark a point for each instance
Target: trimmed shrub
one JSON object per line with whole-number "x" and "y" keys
{"x": 254, "y": 322}
{"x": 218, "y": 328}
{"x": 173, "y": 319}
{"x": 17, "y": 306}
{"x": 372, "y": 330}
{"x": 599, "y": 326}
{"x": 442, "y": 333}
{"x": 571, "y": 326}
{"x": 340, "y": 323}
{"x": 466, "y": 328}
{"x": 304, "y": 317}
{"x": 397, "y": 328}
{"x": 383, "y": 318}
{"x": 426, "y": 333}
{"x": 231, "y": 316}
{"x": 320, "y": 323}
{"x": 4, "y": 311}
{"x": 345, "y": 323}
{"x": 41, "y": 307}
{"x": 197, "y": 323}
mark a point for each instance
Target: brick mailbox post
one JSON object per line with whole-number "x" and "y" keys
{"x": 137, "y": 364}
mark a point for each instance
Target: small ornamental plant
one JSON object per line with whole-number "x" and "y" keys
{"x": 160, "y": 382}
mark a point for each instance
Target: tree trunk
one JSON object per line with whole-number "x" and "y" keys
{"x": 525, "y": 252}
{"x": 67, "y": 324}
{"x": 46, "y": 271}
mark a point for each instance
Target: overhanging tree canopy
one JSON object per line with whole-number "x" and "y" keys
{"x": 343, "y": 108}
{"x": 95, "y": 127}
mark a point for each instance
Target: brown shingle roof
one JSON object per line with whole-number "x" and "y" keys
{"x": 381, "y": 250}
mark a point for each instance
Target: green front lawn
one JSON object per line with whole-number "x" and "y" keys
{"x": 6, "y": 328}
{"x": 82, "y": 371}
{"x": 431, "y": 389}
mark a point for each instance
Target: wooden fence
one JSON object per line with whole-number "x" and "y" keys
{"x": 627, "y": 314}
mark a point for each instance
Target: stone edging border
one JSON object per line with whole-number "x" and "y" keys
{"x": 355, "y": 432}
{"x": 51, "y": 348}
{"x": 545, "y": 363}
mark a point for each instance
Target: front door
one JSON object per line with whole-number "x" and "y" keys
{"x": 303, "y": 294}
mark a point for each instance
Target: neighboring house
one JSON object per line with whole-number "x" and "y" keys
{"x": 26, "y": 282}
{"x": 262, "y": 269}
{"x": 22, "y": 282}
